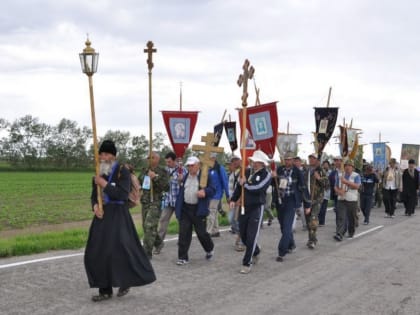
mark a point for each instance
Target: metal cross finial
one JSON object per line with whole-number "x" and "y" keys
{"x": 243, "y": 80}
{"x": 150, "y": 50}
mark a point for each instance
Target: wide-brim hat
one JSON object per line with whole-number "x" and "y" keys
{"x": 259, "y": 156}
{"x": 336, "y": 158}
{"x": 313, "y": 155}
{"x": 192, "y": 160}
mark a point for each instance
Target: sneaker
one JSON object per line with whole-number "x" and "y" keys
{"x": 350, "y": 235}
{"x": 338, "y": 238}
{"x": 387, "y": 216}
{"x": 311, "y": 245}
{"x": 209, "y": 255}
{"x": 366, "y": 223}
{"x": 239, "y": 247}
{"x": 392, "y": 216}
{"x": 182, "y": 262}
{"x": 279, "y": 258}
{"x": 158, "y": 249}
{"x": 292, "y": 249}
{"x": 245, "y": 269}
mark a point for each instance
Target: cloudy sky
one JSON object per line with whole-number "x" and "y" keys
{"x": 367, "y": 50}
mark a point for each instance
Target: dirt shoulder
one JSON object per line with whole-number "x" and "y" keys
{"x": 36, "y": 229}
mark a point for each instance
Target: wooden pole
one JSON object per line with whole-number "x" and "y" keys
{"x": 329, "y": 97}
{"x": 180, "y": 96}
{"x": 150, "y": 50}
{"x": 95, "y": 145}
{"x": 243, "y": 81}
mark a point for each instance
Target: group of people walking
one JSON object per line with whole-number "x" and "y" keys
{"x": 114, "y": 256}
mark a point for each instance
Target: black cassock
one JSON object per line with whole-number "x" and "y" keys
{"x": 114, "y": 256}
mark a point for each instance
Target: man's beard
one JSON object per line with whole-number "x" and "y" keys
{"x": 105, "y": 167}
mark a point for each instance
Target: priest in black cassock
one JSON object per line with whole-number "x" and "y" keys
{"x": 114, "y": 256}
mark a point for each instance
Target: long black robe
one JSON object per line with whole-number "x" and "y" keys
{"x": 114, "y": 256}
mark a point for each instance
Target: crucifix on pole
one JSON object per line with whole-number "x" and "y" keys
{"x": 243, "y": 81}
{"x": 205, "y": 160}
{"x": 150, "y": 50}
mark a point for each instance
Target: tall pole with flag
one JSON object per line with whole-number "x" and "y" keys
{"x": 243, "y": 81}
{"x": 150, "y": 50}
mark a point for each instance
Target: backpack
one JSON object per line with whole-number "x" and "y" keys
{"x": 134, "y": 194}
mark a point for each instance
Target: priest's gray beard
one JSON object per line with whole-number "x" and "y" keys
{"x": 105, "y": 167}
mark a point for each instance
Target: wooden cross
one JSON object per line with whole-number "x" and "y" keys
{"x": 206, "y": 161}
{"x": 243, "y": 80}
{"x": 150, "y": 50}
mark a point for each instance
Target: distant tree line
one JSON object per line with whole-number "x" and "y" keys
{"x": 30, "y": 144}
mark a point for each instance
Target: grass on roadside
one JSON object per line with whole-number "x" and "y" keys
{"x": 69, "y": 239}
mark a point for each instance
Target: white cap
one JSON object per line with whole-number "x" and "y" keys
{"x": 259, "y": 156}
{"x": 192, "y": 160}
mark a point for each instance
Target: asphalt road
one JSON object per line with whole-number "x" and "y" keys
{"x": 377, "y": 272}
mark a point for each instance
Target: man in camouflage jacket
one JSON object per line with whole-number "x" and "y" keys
{"x": 151, "y": 210}
{"x": 317, "y": 182}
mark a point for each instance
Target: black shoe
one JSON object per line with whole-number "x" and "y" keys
{"x": 338, "y": 238}
{"x": 350, "y": 236}
{"x": 101, "y": 297}
{"x": 279, "y": 258}
{"x": 217, "y": 234}
{"x": 269, "y": 222}
{"x": 122, "y": 291}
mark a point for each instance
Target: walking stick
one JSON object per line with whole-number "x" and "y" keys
{"x": 243, "y": 81}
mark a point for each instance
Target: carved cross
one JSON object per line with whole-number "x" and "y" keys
{"x": 243, "y": 80}
{"x": 150, "y": 50}
{"x": 205, "y": 160}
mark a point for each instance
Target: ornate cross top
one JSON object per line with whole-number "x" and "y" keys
{"x": 205, "y": 160}
{"x": 150, "y": 50}
{"x": 243, "y": 80}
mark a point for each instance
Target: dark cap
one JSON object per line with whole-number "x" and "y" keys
{"x": 108, "y": 146}
{"x": 411, "y": 161}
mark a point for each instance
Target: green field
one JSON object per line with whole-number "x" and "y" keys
{"x": 36, "y": 198}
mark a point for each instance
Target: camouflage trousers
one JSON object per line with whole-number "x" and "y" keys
{"x": 151, "y": 215}
{"x": 312, "y": 222}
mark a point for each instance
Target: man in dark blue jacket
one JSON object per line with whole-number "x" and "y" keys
{"x": 192, "y": 209}
{"x": 254, "y": 186}
{"x": 288, "y": 193}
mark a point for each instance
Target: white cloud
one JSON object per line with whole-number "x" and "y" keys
{"x": 367, "y": 52}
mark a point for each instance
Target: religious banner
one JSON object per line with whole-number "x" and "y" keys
{"x": 358, "y": 157}
{"x": 230, "y": 129}
{"x": 287, "y": 143}
{"x": 379, "y": 156}
{"x": 218, "y": 131}
{"x": 325, "y": 120}
{"x": 180, "y": 126}
{"x": 262, "y": 123}
{"x": 352, "y": 142}
{"x": 409, "y": 151}
{"x": 343, "y": 145}
{"x": 250, "y": 146}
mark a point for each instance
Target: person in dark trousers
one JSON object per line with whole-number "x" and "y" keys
{"x": 391, "y": 183}
{"x": 288, "y": 193}
{"x": 191, "y": 210}
{"x": 410, "y": 187}
{"x": 254, "y": 187}
{"x": 369, "y": 181}
{"x": 114, "y": 256}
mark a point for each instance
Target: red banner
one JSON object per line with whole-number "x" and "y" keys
{"x": 180, "y": 126}
{"x": 262, "y": 125}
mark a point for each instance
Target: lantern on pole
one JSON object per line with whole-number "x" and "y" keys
{"x": 89, "y": 63}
